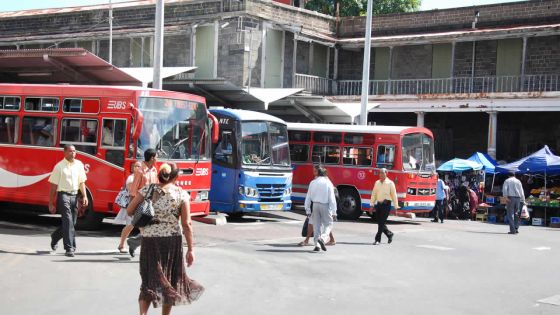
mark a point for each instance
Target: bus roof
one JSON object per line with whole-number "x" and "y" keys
{"x": 84, "y": 90}
{"x": 396, "y": 130}
{"x": 247, "y": 115}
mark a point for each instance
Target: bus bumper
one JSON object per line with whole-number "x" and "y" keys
{"x": 249, "y": 206}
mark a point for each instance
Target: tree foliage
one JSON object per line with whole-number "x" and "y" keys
{"x": 359, "y": 7}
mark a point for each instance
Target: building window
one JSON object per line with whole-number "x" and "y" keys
{"x": 299, "y": 152}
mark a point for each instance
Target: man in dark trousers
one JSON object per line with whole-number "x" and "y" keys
{"x": 515, "y": 198}
{"x": 67, "y": 179}
{"x": 383, "y": 196}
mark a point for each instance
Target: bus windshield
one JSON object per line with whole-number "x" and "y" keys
{"x": 418, "y": 153}
{"x": 177, "y": 129}
{"x": 264, "y": 143}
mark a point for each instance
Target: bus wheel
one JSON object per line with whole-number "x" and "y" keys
{"x": 90, "y": 221}
{"x": 236, "y": 215}
{"x": 349, "y": 206}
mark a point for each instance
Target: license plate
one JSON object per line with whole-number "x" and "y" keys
{"x": 420, "y": 204}
{"x": 272, "y": 207}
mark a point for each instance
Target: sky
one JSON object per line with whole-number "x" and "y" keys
{"x": 42, "y": 4}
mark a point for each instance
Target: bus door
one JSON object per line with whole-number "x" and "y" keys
{"x": 225, "y": 173}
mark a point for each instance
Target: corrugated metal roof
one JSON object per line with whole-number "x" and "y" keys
{"x": 60, "y": 65}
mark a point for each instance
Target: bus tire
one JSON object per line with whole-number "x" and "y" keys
{"x": 349, "y": 206}
{"x": 91, "y": 220}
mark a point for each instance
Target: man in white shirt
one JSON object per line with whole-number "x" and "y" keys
{"x": 321, "y": 194}
{"x": 515, "y": 197}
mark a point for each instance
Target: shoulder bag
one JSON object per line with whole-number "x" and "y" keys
{"x": 144, "y": 212}
{"x": 122, "y": 198}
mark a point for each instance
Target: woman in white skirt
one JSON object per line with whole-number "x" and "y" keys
{"x": 122, "y": 217}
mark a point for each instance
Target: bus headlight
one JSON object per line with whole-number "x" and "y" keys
{"x": 287, "y": 191}
{"x": 201, "y": 195}
{"x": 251, "y": 192}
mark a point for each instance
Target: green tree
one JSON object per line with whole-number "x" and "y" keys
{"x": 359, "y": 7}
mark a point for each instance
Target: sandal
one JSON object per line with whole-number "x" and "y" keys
{"x": 122, "y": 250}
{"x": 330, "y": 243}
{"x": 303, "y": 243}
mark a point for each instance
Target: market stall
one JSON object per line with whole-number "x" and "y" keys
{"x": 463, "y": 178}
{"x": 543, "y": 169}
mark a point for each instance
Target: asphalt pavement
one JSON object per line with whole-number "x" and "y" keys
{"x": 253, "y": 265}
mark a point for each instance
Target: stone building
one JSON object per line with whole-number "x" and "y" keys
{"x": 483, "y": 78}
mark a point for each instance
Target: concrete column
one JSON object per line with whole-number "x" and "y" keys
{"x": 523, "y": 59}
{"x": 492, "y": 133}
{"x": 452, "y": 70}
{"x": 390, "y": 70}
{"x": 335, "y": 71}
{"x": 420, "y": 119}
{"x": 294, "y": 62}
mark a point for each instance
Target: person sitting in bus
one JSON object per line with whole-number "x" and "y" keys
{"x": 108, "y": 137}
{"x": 45, "y": 136}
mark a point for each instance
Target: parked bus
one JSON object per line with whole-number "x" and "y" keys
{"x": 354, "y": 154}
{"x": 110, "y": 127}
{"x": 251, "y": 168}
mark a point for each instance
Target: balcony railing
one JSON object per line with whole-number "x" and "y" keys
{"x": 493, "y": 84}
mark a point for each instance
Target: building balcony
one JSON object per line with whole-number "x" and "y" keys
{"x": 458, "y": 85}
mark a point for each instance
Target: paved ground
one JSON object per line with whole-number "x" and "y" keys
{"x": 253, "y": 266}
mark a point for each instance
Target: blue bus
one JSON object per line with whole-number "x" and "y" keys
{"x": 251, "y": 169}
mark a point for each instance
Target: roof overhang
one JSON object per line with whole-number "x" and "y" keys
{"x": 146, "y": 75}
{"x": 317, "y": 109}
{"x": 60, "y": 65}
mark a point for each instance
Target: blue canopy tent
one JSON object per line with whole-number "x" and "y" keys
{"x": 459, "y": 165}
{"x": 541, "y": 162}
{"x": 488, "y": 163}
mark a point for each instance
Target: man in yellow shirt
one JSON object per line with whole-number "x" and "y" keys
{"x": 67, "y": 178}
{"x": 383, "y": 196}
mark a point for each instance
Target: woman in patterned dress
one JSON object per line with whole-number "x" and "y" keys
{"x": 162, "y": 267}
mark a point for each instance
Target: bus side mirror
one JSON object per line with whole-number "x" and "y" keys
{"x": 215, "y": 131}
{"x": 138, "y": 126}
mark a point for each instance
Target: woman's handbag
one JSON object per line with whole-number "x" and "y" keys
{"x": 122, "y": 198}
{"x": 145, "y": 210}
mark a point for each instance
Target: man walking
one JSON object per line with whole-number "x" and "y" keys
{"x": 383, "y": 196}
{"x": 67, "y": 178}
{"x": 513, "y": 192}
{"x": 441, "y": 192}
{"x": 147, "y": 175}
{"x": 321, "y": 194}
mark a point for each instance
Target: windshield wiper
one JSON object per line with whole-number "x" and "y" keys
{"x": 176, "y": 146}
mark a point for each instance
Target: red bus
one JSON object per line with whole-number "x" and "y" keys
{"x": 353, "y": 155}
{"x": 110, "y": 127}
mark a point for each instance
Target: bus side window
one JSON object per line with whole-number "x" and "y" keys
{"x": 82, "y": 133}
{"x": 8, "y": 129}
{"x": 385, "y": 156}
{"x": 299, "y": 152}
{"x": 39, "y": 131}
{"x": 327, "y": 154}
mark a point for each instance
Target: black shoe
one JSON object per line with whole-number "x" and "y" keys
{"x": 69, "y": 253}
{"x": 322, "y": 244}
{"x": 434, "y": 220}
{"x": 390, "y": 239}
{"x": 316, "y": 249}
{"x": 376, "y": 243}
{"x": 54, "y": 244}
{"x": 441, "y": 221}
{"x": 516, "y": 232}
{"x": 132, "y": 245}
